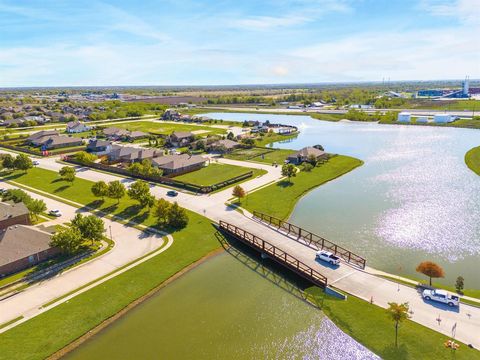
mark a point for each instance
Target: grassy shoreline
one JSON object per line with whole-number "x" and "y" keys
{"x": 279, "y": 199}
{"x": 472, "y": 159}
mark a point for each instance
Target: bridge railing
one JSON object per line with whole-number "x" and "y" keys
{"x": 275, "y": 253}
{"x": 311, "y": 238}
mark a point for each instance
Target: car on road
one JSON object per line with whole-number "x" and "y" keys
{"x": 56, "y": 213}
{"x": 172, "y": 193}
{"x": 35, "y": 162}
{"x": 441, "y": 296}
{"x": 328, "y": 257}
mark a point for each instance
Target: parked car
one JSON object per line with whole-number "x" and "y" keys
{"x": 172, "y": 193}
{"x": 35, "y": 162}
{"x": 441, "y": 296}
{"x": 55, "y": 212}
{"x": 328, "y": 257}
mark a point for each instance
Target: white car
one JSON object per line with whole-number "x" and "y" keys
{"x": 55, "y": 212}
{"x": 328, "y": 257}
{"x": 441, "y": 296}
{"x": 35, "y": 162}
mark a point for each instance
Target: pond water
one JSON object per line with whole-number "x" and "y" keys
{"x": 414, "y": 199}
{"x": 230, "y": 307}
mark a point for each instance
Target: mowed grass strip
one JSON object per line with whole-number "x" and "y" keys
{"x": 280, "y": 198}
{"x": 51, "y": 331}
{"x": 216, "y": 173}
{"x": 370, "y": 325}
{"x": 472, "y": 159}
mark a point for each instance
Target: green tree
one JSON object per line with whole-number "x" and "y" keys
{"x": 67, "y": 173}
{"x": 16, "y": 195}
{"x": 398, "y": 313}
{"x": 91, "y": 227}
{"x": 100, "y": 189}
{"x": 85, "y": 157}
{"x": 68, "y": 240}
{"x": 230, "y": 136}
{"x": 177, "y": 217}
{"x": 289, "y": 170}
{"x": 36, "y": 207}
{"x": 116, "y": 190}
{"x": 307, "y": 167}
{"x": 8, "y": 161}
{"x": 430, "y": 269}
{"x": 23, "y": 162}
{"x": 140, "y": 191}
{"x": 238, "y": 192}
{"x": 162, "y": 211}
{"x": 459, "y": 284}
{"x": 312, "y": 159}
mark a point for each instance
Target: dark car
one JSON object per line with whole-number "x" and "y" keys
{"x": 172, "y": 193}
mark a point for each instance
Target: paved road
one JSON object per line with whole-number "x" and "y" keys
{"x": 130, "y": 244}
{"x": 345, "y": 277}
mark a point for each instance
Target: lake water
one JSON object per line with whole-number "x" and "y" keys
{"x": 414, "y": 199}
{"x": 229, "y": 307}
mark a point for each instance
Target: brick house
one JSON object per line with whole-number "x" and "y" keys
{"x": 12, "y": 214}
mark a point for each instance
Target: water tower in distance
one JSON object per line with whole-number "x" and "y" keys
{"x": 465, "y": 85}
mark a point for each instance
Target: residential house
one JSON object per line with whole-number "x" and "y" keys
{"x": 114, "y": 133}
{"x": 23, "y": 246}
{"x": 60, "y": 141}
{"x": 303, "y": 155}
{"x": 180, "y": 138}
{"x": 223, "y": 146}
{"x": 99, "y": 147}
{"x": 13, "y": 213}
{"x": 77, "y": 127}
{"x": 13, "y": 122}
{"x": 171, "y": 114}
{"x": 38, "y": 138}
{"x": 129, "y": 154}
{"x": 179, "y": 164}
{"x": 136, "y": 135}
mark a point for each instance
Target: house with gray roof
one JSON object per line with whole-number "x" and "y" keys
{"x": 13, "y": 213}
{"x": 23, "y": 246}
{"x": 36, "y": 138}
{"x": 304, "y": 154}
{"x": 179, "y": 164}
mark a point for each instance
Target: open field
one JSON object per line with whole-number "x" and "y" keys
{"x": 51, "y": 331}
{"x": 216, "y": 173}
{"x": 472, "y": 159}
{"x": 280, "y": 198}
{"x": 167, "y": 128}
{"x": 370, "y": 325}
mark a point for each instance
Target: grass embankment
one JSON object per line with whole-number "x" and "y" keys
{"x": 472, "y": 159}
{"x": 49, "y": 332}
{"x": 267, "y": 156}
{"x": 280, "y": 198}
{"x": 370, "y": 325}
{"x": 217, "y": 173}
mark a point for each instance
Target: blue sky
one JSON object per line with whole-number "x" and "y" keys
{"x": 187, "y": 42}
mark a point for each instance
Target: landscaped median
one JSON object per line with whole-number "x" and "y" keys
{"x": 279, "y": 199}
{"x": 472, "y": 159}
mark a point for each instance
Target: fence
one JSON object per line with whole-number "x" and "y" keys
{"x": 275, "y": 254}
{"x": 163, "y": 179}
{"x": 311, "y": 238}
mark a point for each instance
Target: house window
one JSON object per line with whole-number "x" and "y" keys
{"x": 31, "y": 259}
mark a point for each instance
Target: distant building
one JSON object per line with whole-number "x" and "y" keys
{"x": 127, "y": 154}
{"x": 224, "y": 146}
{"x": 180, "y": 138}
{"x": 404, "y": 117}
{"x": 114, "y": 133}
{"x": 442, "y": 118}
{"x": 136, "y": 135}
{"x": 22, "y": 247}
{"x": 303, "y": 155}
{"x": 37, "y": 138}
{"x": 99, "y": 147}
{"x": 432, "y": 93}
{"x": 77, "y": 127}
{"x": 422, "y": 120}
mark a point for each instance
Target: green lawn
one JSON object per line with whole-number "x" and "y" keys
{"x": 80, "y": 192}
{"x": 261, "y": 155}
{"x": 272, "y": 138}
{"x": 370, "y": 325}
{"x": 166, "y": 128}
{"x": 472, "y": 159}
{"x": 280, "y": 198}
{"x": 49, "y": 332}
{"x": 216, "y": 173}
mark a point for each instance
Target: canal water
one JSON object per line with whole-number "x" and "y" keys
{"x": 230, "y": 307}
{"x": 414, "y": 199}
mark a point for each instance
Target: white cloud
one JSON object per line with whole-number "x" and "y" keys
{"x": 467, "y": 11}
{"x": 268, "y": 22}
